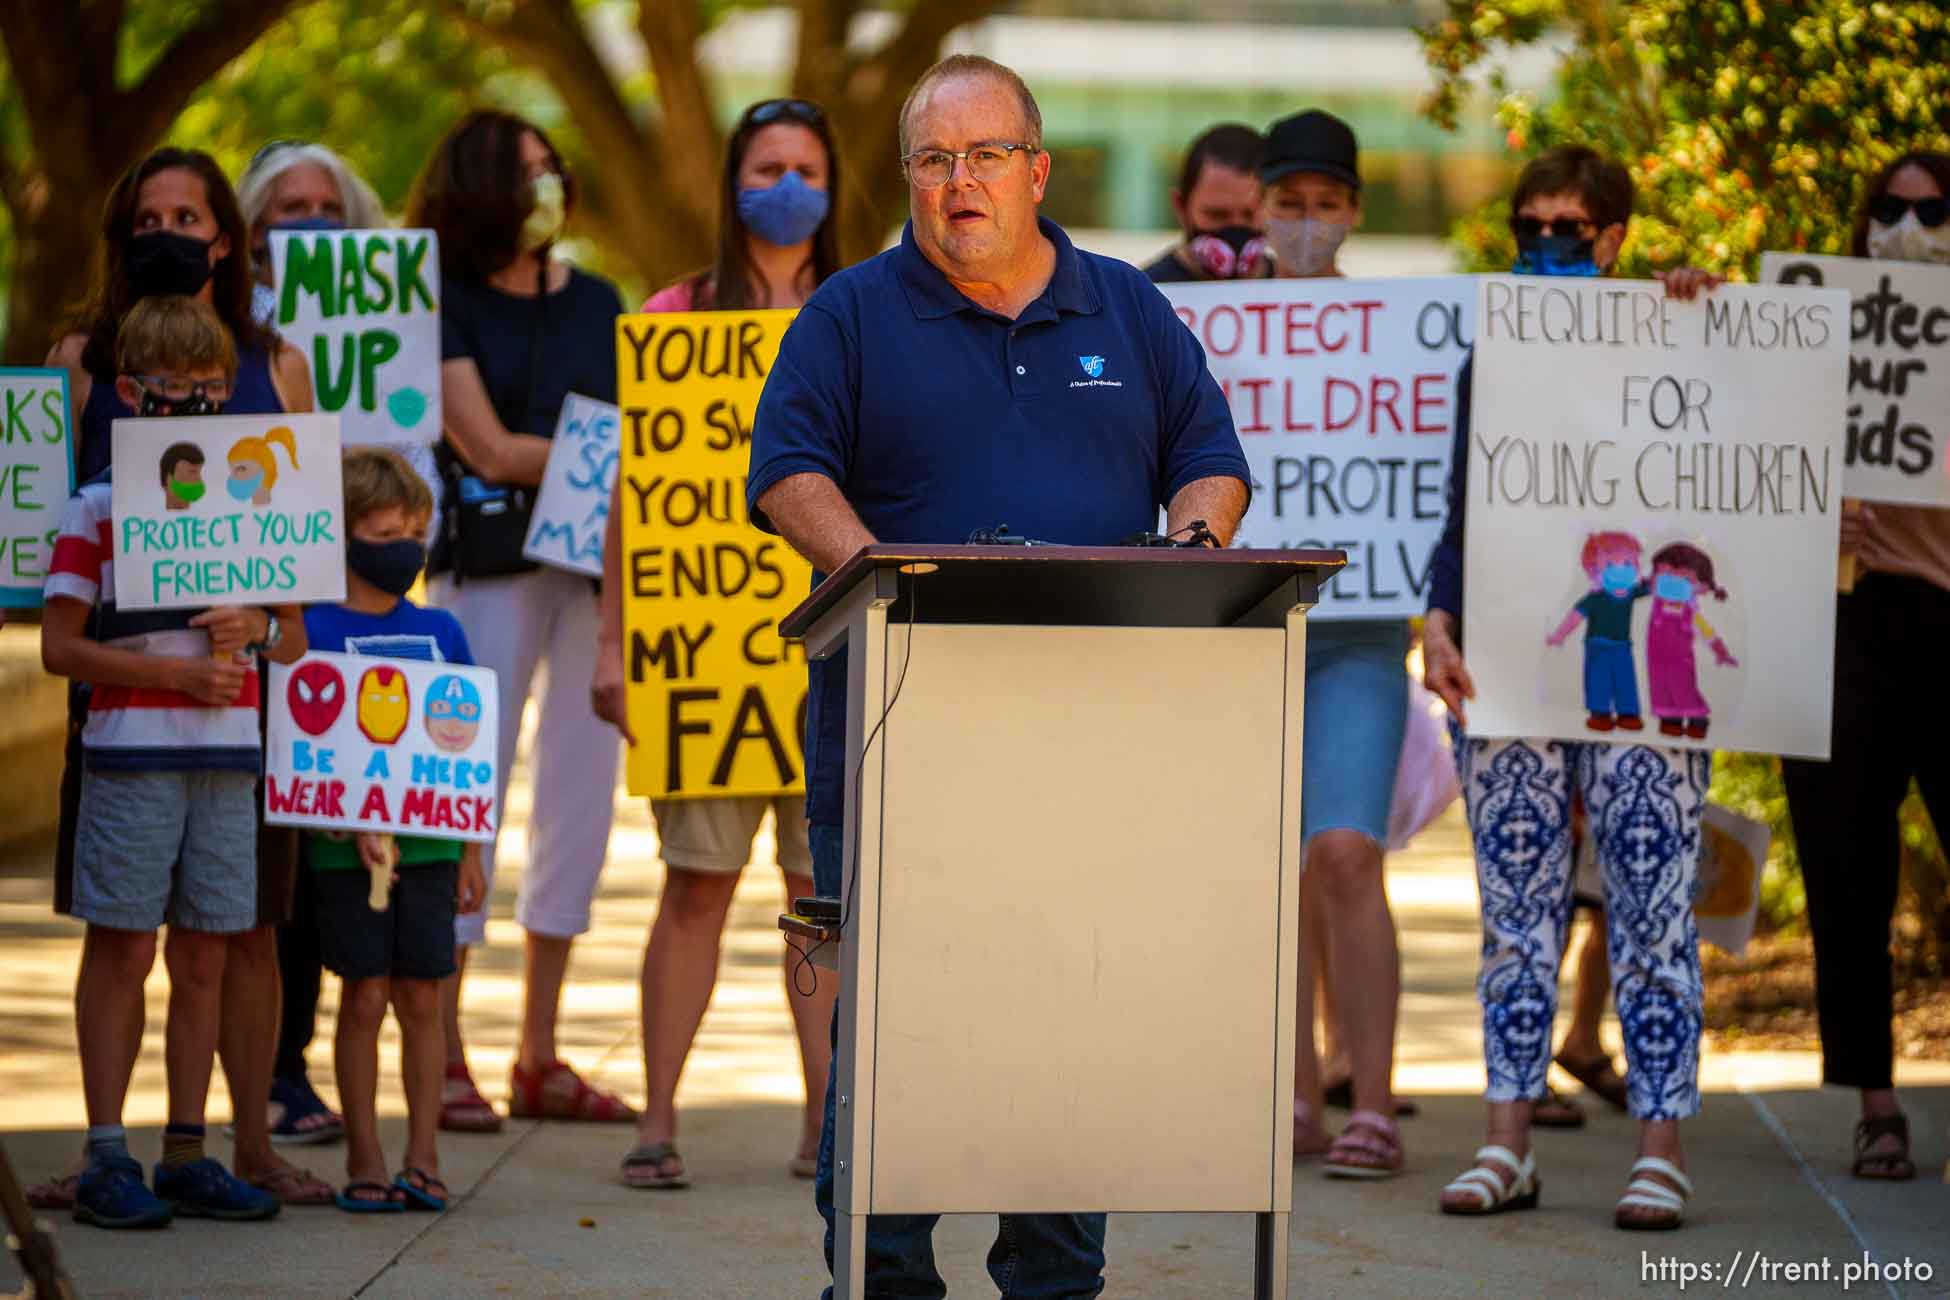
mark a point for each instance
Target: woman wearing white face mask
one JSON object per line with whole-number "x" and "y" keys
{"x": 1357, "y": 702}
{"x": 521, "y": 330}
{"x": 1889, "y": 633}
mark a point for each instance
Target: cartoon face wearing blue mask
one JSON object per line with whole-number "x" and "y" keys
{"x": 243, "y": 489}
{"x": 1619, "y": 578}
{"x": 1670, "y": 586}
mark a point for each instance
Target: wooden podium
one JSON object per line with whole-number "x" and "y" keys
{"x": 1071, "y": 871}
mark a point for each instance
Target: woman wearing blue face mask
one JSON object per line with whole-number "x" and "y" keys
{"x": 777, "y": 242}
{"x": 291, "y": 185}
{"x": 1570, "y": 212}
{"x": 1889, "y": 633}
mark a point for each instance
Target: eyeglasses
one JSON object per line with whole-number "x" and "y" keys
{"x": 803, "y": 110}
{"x": 931, "y": 168}
{"x": 174, "y": 388}
{"x": 1562, "y": 227}
{"x": 1888, "y": 209}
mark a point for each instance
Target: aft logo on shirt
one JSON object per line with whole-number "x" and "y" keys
{"x": 1094, "y": 367}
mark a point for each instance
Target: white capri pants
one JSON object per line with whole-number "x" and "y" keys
{"x": 512, "y": 624}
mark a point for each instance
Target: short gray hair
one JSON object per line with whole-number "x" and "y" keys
{"x": 975, "y": 65}
{"x": 363, "y": 211}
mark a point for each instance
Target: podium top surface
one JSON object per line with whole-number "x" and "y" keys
{"x": 1090, "y": 585}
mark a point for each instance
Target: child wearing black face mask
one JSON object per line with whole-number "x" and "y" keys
{"x": 402, "y": 954}
{"x": 181, "y": 362}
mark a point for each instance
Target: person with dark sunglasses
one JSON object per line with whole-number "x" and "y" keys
{"x": 1888, "y": 631}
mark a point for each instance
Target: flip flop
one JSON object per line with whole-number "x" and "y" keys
{"x": 1893, "y": 1167}
{"x": 420, "y": 1195}
{"x": 348, "y": 1200}
{"x": 640, "y": 1167}
{"x": 295, "y": 1186}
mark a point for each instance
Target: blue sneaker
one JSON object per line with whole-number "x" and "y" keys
{"x": 111, "y": 1194}
{"x": 204, "y": 1189}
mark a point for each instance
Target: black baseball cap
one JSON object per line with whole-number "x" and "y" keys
{"x": 1312, "y": 141}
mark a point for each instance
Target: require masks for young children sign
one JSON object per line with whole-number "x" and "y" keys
{"x": 572, "y": 508}
{"x": 716, "y": 700}
{"x": 1654, "y": 496}
{"x": 359, "y": 743}
{"x": 1898, "y": 414}
{"x": 227, "y": 510}
{"x": 1343, "y": 392}
{"x": 36, "y": 477}
{"x": 364, "y": 308}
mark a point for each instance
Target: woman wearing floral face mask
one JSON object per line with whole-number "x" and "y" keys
{"x": 520, "y": 330}
{"x": 778, "y": 226}
{"x": 1889, "y": 631}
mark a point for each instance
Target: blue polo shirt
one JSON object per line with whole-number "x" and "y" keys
{"x": 1072, "y": 423}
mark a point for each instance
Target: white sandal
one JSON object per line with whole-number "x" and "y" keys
{"x": 1647, "y": 1194}
{"x": 1493, "y": 1191}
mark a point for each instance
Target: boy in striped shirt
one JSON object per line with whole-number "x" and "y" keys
{"x": 167, "y": 831}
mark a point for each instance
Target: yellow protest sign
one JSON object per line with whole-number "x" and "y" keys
{"x": 717, "y": 702}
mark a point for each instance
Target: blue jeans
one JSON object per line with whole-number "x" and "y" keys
{"x": 1611, "y": 679}
{"x": 1035, "y": 1256}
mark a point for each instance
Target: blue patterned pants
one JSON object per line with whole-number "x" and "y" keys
{"x": 1643, "y": 806}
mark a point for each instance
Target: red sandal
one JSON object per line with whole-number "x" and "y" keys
{"x": 462, "y": 1107}
{"x": 531, "y": 1098}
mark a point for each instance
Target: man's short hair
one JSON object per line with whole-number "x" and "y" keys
{"x": 1232, "y": 145}
{"x": 975, "y": 65}
{"x": 377, "y": 478}
{"x": 1604, "y": 185}
{"x": 174, "y": 335}
{"x": 175, "y": 454}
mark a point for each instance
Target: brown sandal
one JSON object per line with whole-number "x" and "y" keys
{"x": 1369, "y": 1147}
{"x": 1599, "y": 1076}
{"x": 1891, "y": 1168}
{"x": 1555, "y": 1110}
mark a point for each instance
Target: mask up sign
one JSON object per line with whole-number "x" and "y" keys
{"x": 359, "y": 743}
{"x": 1654, "y": 497}
{"x": 716, "y": 700}
{"x": 227, "y": 510}
{"x": 364, "y": 308}
{"x": 1898, "y": 416}
{"x": 36, "y": 478}
{"x": 572, "y": 507}
{"x": 1343, "y": 392}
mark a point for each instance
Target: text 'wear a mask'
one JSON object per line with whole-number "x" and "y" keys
{"x": 785, "y": 214}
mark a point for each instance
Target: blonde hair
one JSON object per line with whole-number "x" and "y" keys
{"x": 259, "y": 450}
{"x": 377, "y": 478}
{"x": 175, "y": 334}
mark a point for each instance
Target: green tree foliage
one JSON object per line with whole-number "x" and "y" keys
{"x": 1748, "y": 125}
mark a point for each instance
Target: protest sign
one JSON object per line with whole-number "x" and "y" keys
{"x": 572, "y": 507}
{"x": 227, "y": 510}
{"x": 36, "y": 478}
{"x": 1898, "y": 415}
{"x": 716, "y": 700}
{"x": 1656, "y": 475}
{"x": 362, "y": 743}
{"x": 364, "y": 308}
{"x": 1343, "y": 392}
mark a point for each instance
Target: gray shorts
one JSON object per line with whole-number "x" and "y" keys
{"x": 175, "y": 847}
{"x": 715, "y": 835}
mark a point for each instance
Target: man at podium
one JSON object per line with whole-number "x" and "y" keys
{"x": 983, "y": 372}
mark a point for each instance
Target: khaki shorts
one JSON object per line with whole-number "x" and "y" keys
{"x": 715, "y": 835}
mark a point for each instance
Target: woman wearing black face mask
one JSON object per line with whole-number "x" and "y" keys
{"x": 172, "y": 226}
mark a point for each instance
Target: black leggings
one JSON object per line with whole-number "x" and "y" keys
{"x": 1890, "y": 722}
{"x": 299, "y": 964}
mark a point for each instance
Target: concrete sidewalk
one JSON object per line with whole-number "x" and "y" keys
{"x": 541, "y": 1213}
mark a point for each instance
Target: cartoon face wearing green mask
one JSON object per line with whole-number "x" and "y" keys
{"x": 182, "y": 475}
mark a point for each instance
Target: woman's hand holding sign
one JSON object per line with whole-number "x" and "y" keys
{"x": 606, "y": 689}
{"x": 1443, "y": 670}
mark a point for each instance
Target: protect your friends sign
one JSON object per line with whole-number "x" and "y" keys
{"x": 1654, "y": 496}
{"x": 364, "y": 308}
{"x": 716, "y": 700}
{"x": 360, "y": 743}
{"x": 227, "y": 510}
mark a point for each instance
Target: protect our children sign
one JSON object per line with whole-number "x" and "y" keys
{"x": 36, "y": 477}
{"x": 1343, "y": 392}
{"x": 572, "y": 507}
{"x": 360, "y": 743}
{"x": 364, "y": 308}
{"x": 1654, "y": 503}
{"x": 227, "y": 509}
{"x": 1898, "y": 414}
{"x": 716, "y": 700}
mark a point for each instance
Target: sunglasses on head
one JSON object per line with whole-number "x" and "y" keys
{"x": 795, "y": 110}
{"x": 1888, "y": 209}
{"x": 1562, "y": 227}
{"x": 270, "y": 147}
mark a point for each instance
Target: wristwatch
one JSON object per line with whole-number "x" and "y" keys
{"x": 273, "y": 633}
